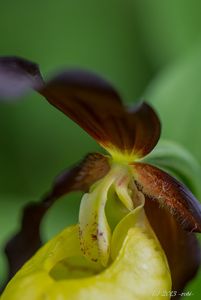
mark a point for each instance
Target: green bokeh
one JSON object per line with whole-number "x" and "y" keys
{"x": 152, "y": 46}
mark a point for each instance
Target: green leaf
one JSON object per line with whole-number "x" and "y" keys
{"x": 176, "y": 96}
{"x": 169, "y": 28}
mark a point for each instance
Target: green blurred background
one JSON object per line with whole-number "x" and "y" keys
{"x": 146, "y": 48}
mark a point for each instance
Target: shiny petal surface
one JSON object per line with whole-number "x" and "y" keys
{"x": 96, "y": 107}
{"x": 182, "y": 248}
{"x": 18, "y": 75}
{"x": 147, "y": 128}
{"x": 88, "y": 100}
{"x": 170, "y": 194}
{"x": 25, "y": 243}
{"x": 91, "y": 102}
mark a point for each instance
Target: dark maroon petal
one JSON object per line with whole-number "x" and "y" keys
{"x": 25, "y": 243}
{"x": 182, "y": 248}
{"x": 90, "y": 101}
{"x": 170, "y": 194}
{"x": 147, "y": 128}
{"x": 17, "y": 76}
{"x": 96, "y": 107}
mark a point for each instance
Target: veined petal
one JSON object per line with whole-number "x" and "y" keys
{"x": 79, "y": 178}
{"x": 59, "y": 271}
{"x": 182, "y": 248}
{"x": 170, "y": 194}
{"x": 96, "y": 107}
{"x": 91, "y": 102}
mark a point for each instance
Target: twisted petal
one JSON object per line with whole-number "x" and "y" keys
{"x": 91, "y": 102}
{"x": 79, "y": 178}
{"x": 18, "y": 75}
{"x": 181, "y": 248}
{"x": 174, "y": 214}
{"x": 95, "y": 231}
{"x": 170, "y": 194}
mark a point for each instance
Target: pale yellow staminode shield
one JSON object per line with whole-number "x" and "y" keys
{"x": 95, "y": 232}
{"x": 59, "y": 271}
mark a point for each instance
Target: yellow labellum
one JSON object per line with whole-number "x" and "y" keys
{"x": 59, "y": 270}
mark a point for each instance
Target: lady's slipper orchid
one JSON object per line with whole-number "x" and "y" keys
{"x": 135, "y": 238}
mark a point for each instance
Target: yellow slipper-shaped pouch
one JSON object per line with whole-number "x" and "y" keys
{"x": 58, "y": 271}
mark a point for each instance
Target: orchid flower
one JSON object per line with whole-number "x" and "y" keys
{"x": 136, "y": 233}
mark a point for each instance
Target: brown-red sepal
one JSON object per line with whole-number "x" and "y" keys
{"x": 181, "y": 248}
{"x": 170, "y": 194}
{"x": 90, "y": 101}
{"x": 79, "y": 178}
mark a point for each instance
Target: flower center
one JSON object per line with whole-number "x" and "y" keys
{"x": 74, "y": 267}
{"x": 108, "y": 201}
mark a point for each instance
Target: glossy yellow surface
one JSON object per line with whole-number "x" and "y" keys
{"x": 59, "y": 271}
